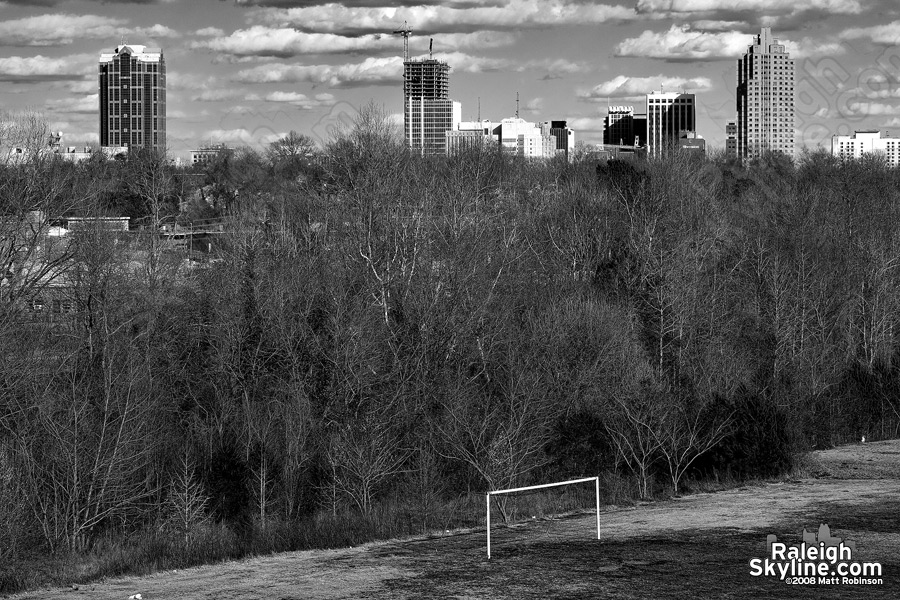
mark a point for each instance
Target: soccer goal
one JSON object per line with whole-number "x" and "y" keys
{"x": 487, "y": 519}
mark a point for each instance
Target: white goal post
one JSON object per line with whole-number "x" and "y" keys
{"x": 487, "y": 519}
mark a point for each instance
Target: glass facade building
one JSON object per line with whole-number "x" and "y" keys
{"x": 668, "y": 115}
{"x": 426, "y": 123}
{"x": 428, "y": 112}
{"x": 133, "y": 98}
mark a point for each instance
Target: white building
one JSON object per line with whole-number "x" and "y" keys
{"x": 668, "y": 114}
{"x": 765, "y": 98}
{"x": 518, "y": 136}
{"x": 852, "y": 147}
{"x": 470, "y": 134}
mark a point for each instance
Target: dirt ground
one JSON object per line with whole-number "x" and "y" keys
{"x": 697, "y": 546}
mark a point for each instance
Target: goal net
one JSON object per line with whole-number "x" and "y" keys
{"x": 529, "y": 488}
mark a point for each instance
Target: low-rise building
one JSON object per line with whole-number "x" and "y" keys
{"x": 470, "y": 134}
{"x": 518, "y": 136}
{"x": 691, "y": 142}
{"x": 852, "y": 147}
{"x": 206, "y": 154}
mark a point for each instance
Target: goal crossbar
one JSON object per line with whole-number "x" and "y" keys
{"x": 488, "y": 495}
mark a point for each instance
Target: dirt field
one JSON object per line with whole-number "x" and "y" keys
{"x": 698, "y": 546}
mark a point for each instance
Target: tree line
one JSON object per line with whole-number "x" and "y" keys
{"x": 375, "y": 331}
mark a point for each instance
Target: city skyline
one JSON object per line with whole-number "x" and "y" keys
{"x": 247, "y": 72}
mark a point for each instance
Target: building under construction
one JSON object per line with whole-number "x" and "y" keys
{"x": 428, "y": 79}
{"x": 428, "y": 111}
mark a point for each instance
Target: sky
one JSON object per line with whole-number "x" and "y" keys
{"x": 248, "y": 71}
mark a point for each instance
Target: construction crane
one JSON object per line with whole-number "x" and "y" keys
{"x": 404, "y": 31}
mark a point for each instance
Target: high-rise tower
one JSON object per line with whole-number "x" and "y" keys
{"x": 668, "y": 115}
{"x": 428, "y": 112}
{"x": 133, "y": 98}
{"x": 765, "y": 98}
{"x": 428, "y": 79}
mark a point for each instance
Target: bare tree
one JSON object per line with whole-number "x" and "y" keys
{"x": 23, "y": 136}
{"x": 502, "y": 438}
{"x": 686, "y": 433}
{"x": 633, "y": 425}
{"x": 186, "y": 502}
{"x": 364, "y": 454}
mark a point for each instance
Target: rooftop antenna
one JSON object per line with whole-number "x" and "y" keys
{"x": 430, "y": 45}
{"x": 479, "y": 109}
{"x": 404, "y": 31}
{"x": 517, "y": 105}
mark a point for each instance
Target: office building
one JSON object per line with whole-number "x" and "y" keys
{"x": 689, "y": 141}
{"x": 852, "y": 147}
{"x": 669, "y": 114}
{"x": 470, "y": 134}
{"x": 519, "y": 137}
{"x": 618, "y": 126}
{"x": 133, "y": 98}
{"x": 731, "y": 139}
{"x": 426, "y": 123}
{"x": 206, "y": 154}
{"x": 564, "y": 135}
{"x": 765, "y": 98}
{"x": 428, "y": 111}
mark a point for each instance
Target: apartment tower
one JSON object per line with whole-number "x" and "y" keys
{"x": 133, "y": 98}
{"x": 765, "y": 98}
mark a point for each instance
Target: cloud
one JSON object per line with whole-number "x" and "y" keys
{"x": 534, "y": 105}
{"x": 808, "y": 47}
{"x": 242, "y": 135}
{"x": 84, "y": 86}
{"x": 680, "y": 42}
{"x": 371, "y": 71}
{"x": 63, "y": 29}
{"x": 55, "y": 2}
{"x": 712, "y": 25}
{"x": 685, "y": 43}
{"x": 888, "y": 35}
{"x": 767, "y": 7}
{"x": 19, "y": 69}
{"x": 155, "y": 32}
{"x": 83, "y": 105}
{"x": 870, "y": 109}
{"x": 874, "y": 90}
{"x": 301, "y": 100}
{"x": 554, "y": 66}
{"x": 286, "y": 42}
{"x": 403, "y": 3}
{"x": 209, "y": 32}
{"x": 586, "y": 124}
{"x": 638, "y": 87}
{"x": 218, "y": 95}
{"x": 468, "y": 16}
